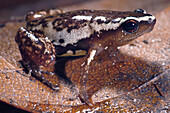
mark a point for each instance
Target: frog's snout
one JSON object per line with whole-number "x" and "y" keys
{"x": 152, "y": 21}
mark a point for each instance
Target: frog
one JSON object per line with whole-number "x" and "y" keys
{"x": 52, "y": 37}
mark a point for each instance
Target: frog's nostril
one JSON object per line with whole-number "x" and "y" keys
{"x": 150, "y": 20}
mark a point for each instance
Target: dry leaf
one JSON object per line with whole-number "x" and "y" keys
{"x": 116, "y": 81}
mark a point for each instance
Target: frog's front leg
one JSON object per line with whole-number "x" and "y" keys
{"x": 38, "y": 54}
{"x": 91, "y": 55}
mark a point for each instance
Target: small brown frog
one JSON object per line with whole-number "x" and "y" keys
{"x": 51, "y": 38}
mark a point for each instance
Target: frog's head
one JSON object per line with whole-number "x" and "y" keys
{"x": 125, "y": 27}
{"x": 108, "y": 29}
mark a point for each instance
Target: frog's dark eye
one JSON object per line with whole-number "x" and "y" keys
{"x": 130, "y": 26}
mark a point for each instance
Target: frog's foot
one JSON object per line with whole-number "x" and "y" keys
{"x": 39, "y": 74}
{"x": 42, "y": 14}
{"x": 47, "y": 82}
{"x": 84, "y": 97}
{"x": 44, "y": 76}
{"x": 74, "y": 92}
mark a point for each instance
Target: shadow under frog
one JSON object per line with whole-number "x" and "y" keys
{"x": 98, "y": 63}
{"x": 113, "y": 70}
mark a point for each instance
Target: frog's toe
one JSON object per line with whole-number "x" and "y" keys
{"x": 85, "y": 98}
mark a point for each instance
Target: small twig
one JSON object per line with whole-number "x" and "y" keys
{"x": 157, "y": 89}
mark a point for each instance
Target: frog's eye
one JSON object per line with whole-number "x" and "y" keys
{"x": 131, "y": 26}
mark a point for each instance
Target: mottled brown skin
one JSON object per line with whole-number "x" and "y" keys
{"x": 63, "y": 21}
{"x": 43, "y": 13}
{"x": 31, "y": 49}
{"x": 33, "y": 57}
{"x": 39, "y": 63}
{"x": 67, "y": 22}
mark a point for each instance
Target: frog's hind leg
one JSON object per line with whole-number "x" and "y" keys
{"x": 38, "y": 55}
{"x": 35, "y": 48}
